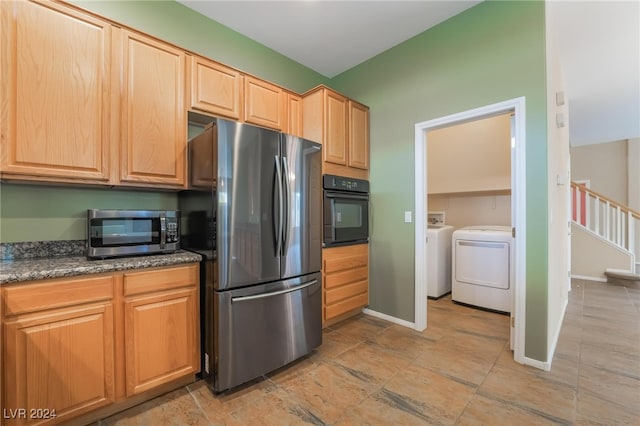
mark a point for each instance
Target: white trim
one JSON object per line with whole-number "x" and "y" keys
{"x": 518, "y": 203}
{"x": 587, "y": 278}
{"x": 546, "y": 366}
{"x": 389, "y": 318}
{"x": 556, "y": 335}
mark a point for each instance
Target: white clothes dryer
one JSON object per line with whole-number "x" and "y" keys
{"x": 482, "y": 267}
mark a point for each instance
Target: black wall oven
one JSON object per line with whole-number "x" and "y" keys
{"x": 345, "y": 211}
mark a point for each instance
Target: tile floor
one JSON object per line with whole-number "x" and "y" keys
{"x": 459, "y": 371}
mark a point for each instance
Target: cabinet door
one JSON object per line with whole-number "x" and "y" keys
{"x": 160, "y": 338}
{"x": 335, "y": 146}
{"x": 294, "y": 115}
{"x": 60, "y": 360}
{"x": 358, "y": 136}
{"x": 161, "y": 317}
{"x": 264, "y": 103}
{"x": 56, "y": 79}
{"x": 153, "y": 121}
{"x": 215, "y": 88}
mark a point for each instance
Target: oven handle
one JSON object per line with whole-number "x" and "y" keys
{"x": 349, "y": 196}
{"x": 163, "y": 230}
{"x": 274, "y": 293}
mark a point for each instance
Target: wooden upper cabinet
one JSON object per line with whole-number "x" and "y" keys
{"x": 56, "y": 79}
{"x": 358, "y": 136}
{"x": 293, "y": 115}
{"x": 153, "y": 112}
{"x": 263, "y": 103}
{"x": 335, "y": 144}
{"x": 215, "y": 89}
{"x": 342, "y": 127}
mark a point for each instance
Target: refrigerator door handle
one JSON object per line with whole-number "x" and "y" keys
{"x": 274, "y": 293}
{"x": 287, "y": 206}
{"x": 279, "y": 206}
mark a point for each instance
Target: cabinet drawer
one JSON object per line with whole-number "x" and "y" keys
{"x": 339, "y": 264}
{"x": 346, "y": 306}
{"x": 160, "y": 279}
{"x": 33, "y": 297}
{"x": 346, "y": 277}
{"x": 350, "y": 290}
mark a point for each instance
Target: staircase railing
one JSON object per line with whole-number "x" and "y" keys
{"x": 618, "y": 224}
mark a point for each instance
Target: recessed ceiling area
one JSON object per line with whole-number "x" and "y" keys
{"x": 598, "y": 44}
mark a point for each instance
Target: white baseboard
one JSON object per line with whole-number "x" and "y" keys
{"x": 389, "y": 318}
{"x": 585, "y": 277}
{"x": 546, "y": 366}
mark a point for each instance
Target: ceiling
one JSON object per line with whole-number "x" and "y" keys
{"x": 598, "y": 44}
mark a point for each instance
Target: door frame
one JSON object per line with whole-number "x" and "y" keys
{"x": 518, "y": 206}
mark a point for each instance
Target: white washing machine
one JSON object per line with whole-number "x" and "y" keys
{"x": 438, "y": 260}
{"x": 482, "y": 272}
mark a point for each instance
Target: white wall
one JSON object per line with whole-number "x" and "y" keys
{"x": 468, "y": 157}
{"x": 633, "y": 169}
{"x": 558, "y": 189}
{"x": 605, "y": 165}
{"x": 473, "y": 209}
{"x": 591, "y": 255}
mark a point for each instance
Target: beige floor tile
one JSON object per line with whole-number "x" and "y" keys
{"x": 420, "y": 390}
{"x": 386, "y": 408}
{"x": 174, "y": 408}
{"x": 611, "y": 387}
{"x": 334, "y": 343}
{"x": 449, "y": 362}
{"x": 361, "y": 327}
{"x": 329, "y": 390}
{"x": 610, "y": 357}
{"x": 485, "y": 411}
{"x": 593, "y": 410}
{"x": 544, "y": 396}
{"x": 404, "y": 343}
{"x": 373, "y": 362}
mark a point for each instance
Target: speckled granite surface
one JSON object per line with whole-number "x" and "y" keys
{"x": 15, "y": 271}
{"x": 42, "y": 249}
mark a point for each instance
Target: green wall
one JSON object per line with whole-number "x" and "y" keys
{"x": 47, "y": 213}
{"x": 490, "y": 53}
{"x": 34, "y": 213}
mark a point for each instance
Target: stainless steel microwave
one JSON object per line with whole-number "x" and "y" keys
{"x": 113, "y": 233}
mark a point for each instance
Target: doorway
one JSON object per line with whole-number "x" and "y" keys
{"x": 518, "y": 209}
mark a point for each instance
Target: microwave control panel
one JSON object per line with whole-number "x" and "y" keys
{"x": 172, "y": 231}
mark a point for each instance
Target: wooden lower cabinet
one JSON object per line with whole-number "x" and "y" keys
{"x": 161, "y": 330}
{"x": 62, "y": 339}
{"x": 345, "y": 281}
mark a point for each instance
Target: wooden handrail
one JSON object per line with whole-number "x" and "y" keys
{"x": 595, "y": 194}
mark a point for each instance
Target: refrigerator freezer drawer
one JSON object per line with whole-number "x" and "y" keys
{"x": 262, "y": 328}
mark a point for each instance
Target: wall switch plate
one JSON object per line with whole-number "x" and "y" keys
{"x": 407, "y": 217}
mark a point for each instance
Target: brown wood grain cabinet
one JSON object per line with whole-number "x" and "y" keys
{"x": 153, "y": 112}
{"x": 56, "y": 69}
{"x": 345, "y": 272}
{"x": 97, "y": 342}
{"x": 59, "y": 348}
{"x": 293, "y": 114}
{"x": 264, "y": 103}
{"x": 215, "y": 88}
{"x": 342, "y": 127}
{"x": 358, "y": 136}
{"x": 161, "y": 330}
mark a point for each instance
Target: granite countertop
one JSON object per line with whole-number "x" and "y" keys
{"x": 20, "y": 270}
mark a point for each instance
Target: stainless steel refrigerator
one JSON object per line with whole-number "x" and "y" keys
{"x": 253, "y": 209}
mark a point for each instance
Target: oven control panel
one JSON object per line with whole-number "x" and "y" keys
{"x": 345, "y": 184}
